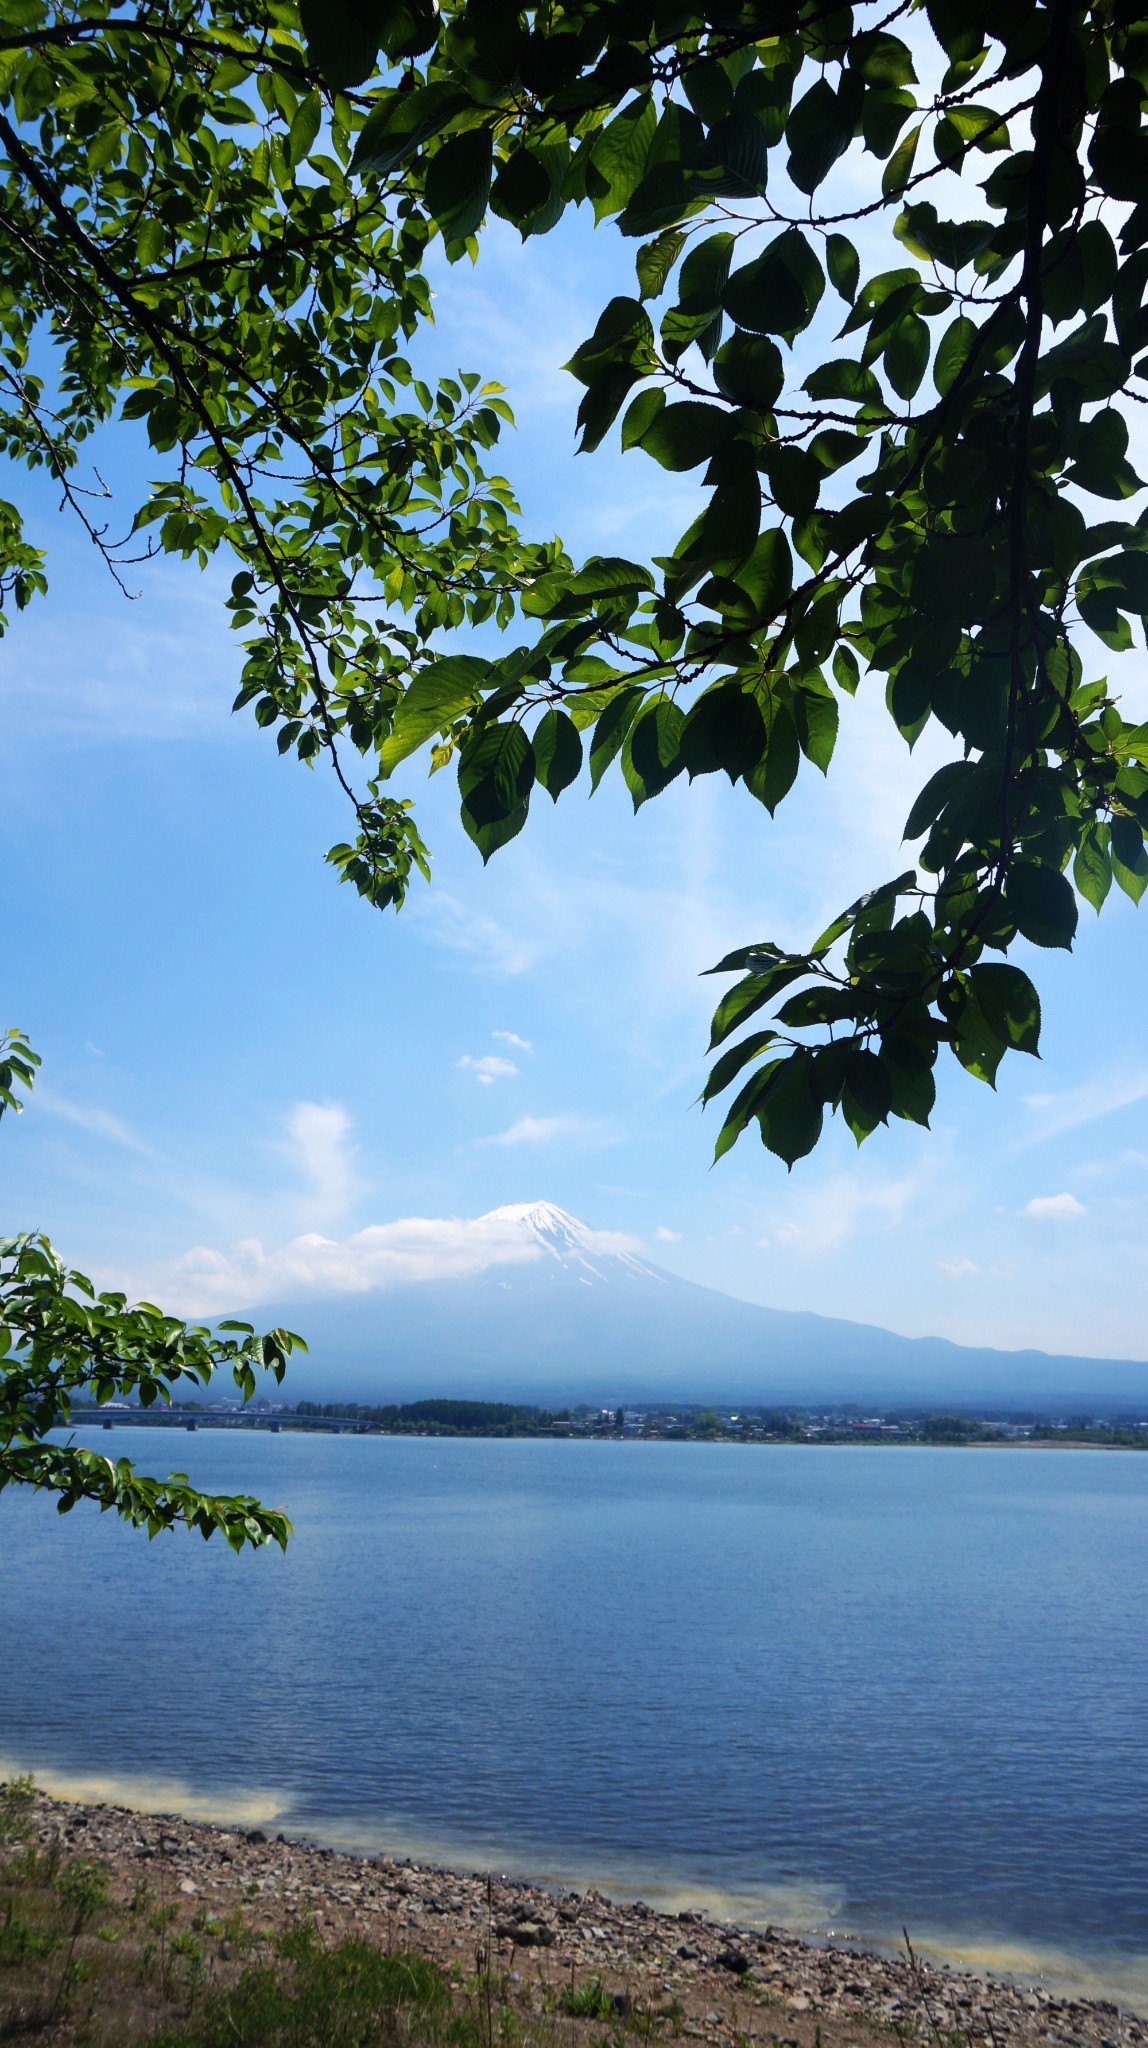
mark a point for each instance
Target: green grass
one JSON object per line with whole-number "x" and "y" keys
{"x": 353, "y": 1996}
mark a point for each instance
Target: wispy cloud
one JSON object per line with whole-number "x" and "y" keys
{"x": 827, "y": 1214}
{"x": 488, "y": 1068}
{"x": 112, "y": 691}
{"x": 1100, "y": 1097}
{"x": 512, "y": 1038}
{"x": 87, "y": 1117}
{"x": 1054, "y": 1208}
{"x": 459, "y": 928}
{"x": 318, "y": 1134}
{"x": 535, "y": 1130}
{"x": 667, "y": 1236}
{"x": 958, "y": 1269}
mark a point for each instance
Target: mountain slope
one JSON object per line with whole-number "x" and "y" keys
{"x": 562, "y": 1313}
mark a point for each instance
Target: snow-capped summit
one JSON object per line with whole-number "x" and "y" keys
{"x": 566, "y": 1238}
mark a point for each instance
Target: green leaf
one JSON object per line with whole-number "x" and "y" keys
{"x": 774, "y": 777}
{"x": 305, "y": 128}
{"x": 818, "y": 132}
{"x": 700, "y": 286}
{"x": 815, "y": 715}
{"x": 521, "y": 188}
{"x": 1092, "y": 867}
{"x": 867, "y": 1093}
{"x": 401, "y": 122}
{"x": 749, "y": 371}
{"x": 619, "y": 352}
{"x": 899, "y": 168}
{"x": 1129, "y": 859}
{"x": 844, "y": 378}
{"x": 606, "y": 585}
{"x": 618, "y": 157}
{"x": 844, "y": 267}
{"x": 767, "y": 576}
{"x": 723, "y": 731}
{"x": 788, "y": 1113}
{"x": 149, "y": 242}
{"x": 953, "y": 352}
{"x": 641, "y": 414}
{"x": 720, "y": 540}
{"x": 779, "y": 291}
{"x": 907, "y": 354}
{"x": 458, "y": 183}
{"x": 557, "y": 752}
{"x": 1009, "y": 1003}
{"x": 1041, "y": 904}
{"x": 731, "y": 1063}
{"x": 882, "y": 59}
{"x": 344, "y": 37}
{"x": 1101, "y": 464}
{"x": 651, "y": 755}
{"x": 611, "y": 730}
{"x": 979, "y": 1048}
{"x": 655, "y": 262}
{"x": 495, "y": 777}
{"x": 440, "y": 693}
{"x": 743, "y": 1107}
{"x": 682, "y": 436}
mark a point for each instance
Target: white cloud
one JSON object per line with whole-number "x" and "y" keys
{"x": 86, "y": 1117}
{"x": 489, "y": 1068}
{"x": 534, "y": 1130}
{"x": 1054, "y": 1208}
{"x": 1083, "y": 1105}
{"x": 414, "y": 1249}
{"x": 821, "y": 1216}
{"x": 177, "y": 631}
{"x": 957, "y": 1269}
{"x": 462, "y": 928}
{"x": 666, "y": 1236}
{"x": 512, "y": 1038}
{"x": 318, "y": 1133}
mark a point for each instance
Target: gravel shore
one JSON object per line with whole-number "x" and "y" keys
{"x": 708, "y": 1981}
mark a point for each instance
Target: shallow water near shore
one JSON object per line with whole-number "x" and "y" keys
{"x": 839, "y": 1688}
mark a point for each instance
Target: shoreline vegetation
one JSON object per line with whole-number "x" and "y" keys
{"x": 119, "y": 1927}
{"x": 681, "y": 1424}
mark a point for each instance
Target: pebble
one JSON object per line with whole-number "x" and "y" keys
{"x": 849, "y": 1998}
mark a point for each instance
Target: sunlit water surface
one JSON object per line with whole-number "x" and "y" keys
{"x": 842, "y": 1688}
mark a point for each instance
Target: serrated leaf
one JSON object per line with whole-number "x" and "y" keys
{"x": 779, "y": 291}
{"x": 844, "y": 267}
{"x": 651, "y": 753}
{"x": 1129, "y": 859}
{"x": 1009, "y": 1003}
{"x": 1041, "y": 904}
{"x": 1092, "y": 867}
{"x": 439, "y": 694}
{"x": 557, "y": 752}
{"x": 731, "y": 1063}
{"x": 655, "y": 262}
{"x": 611, "y": 729}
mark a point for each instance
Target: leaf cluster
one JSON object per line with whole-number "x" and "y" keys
{"x": 63, "y": 1344}
{"x": 899, "y": 471}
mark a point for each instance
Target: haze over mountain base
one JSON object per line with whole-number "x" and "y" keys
{"x": 560, "y": 1313}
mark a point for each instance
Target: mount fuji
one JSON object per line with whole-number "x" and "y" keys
{"x": 527, "y": 1303}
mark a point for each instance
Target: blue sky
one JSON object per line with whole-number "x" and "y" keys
{"x": 238, "y": 1051}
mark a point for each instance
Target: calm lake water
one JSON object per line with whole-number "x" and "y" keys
{"x": 842, "y": 1688}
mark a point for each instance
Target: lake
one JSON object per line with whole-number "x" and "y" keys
{"x": 845, "y": 1688}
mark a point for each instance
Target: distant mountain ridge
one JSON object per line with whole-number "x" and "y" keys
{"x": 563, "y": 1313}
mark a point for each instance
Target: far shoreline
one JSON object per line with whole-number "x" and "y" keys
{"x": 193, "y": 1422}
